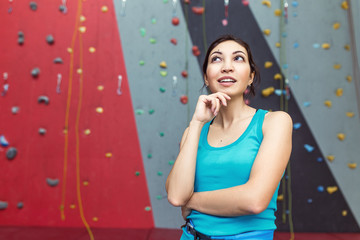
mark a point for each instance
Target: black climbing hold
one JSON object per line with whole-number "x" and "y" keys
{"x": 15, "y": 110}
{"x": 35, "y": 72}
{"x": 21, "y": 38}
{"x": 42, "y": 131}
{"x": 52, "y": 182}
{"x": 33, "y": 6}
{"x": 11, "y": 153}
{"x": 43, "y": 99}
{"x": 50, "y": 39}
{"x": 3, "y": 205}
{"x": 58, "y": 60}
{"x": 20, "y": 205}
{"x": 62, "y": 8}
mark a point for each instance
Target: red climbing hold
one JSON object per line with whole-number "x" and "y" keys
{"x": 184, "y": 74}
{"x": 184, "y": 99}
{"x": 173, "y": 41}
{"x": 175, "y": 21}
{"x": 245, "y": 2}
{"x": 198, "y": 10}
{"x": 187, "y": 1}
{"x": 195, "y": 51}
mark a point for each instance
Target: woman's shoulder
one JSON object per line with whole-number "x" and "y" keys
{"x": 276, "y": 120}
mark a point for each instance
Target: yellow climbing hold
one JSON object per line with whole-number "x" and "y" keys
{"x": 268, "y": 64}
{"x": 336, "y": 25}
{"x": 277, "y": 44}
{"x": 82, "y": 29}
{"x": 100, "y": 87}
{"x": 337, "y": 66}
{"x": 108, "y": 155}
{"x": 69, "y": 50}
{"x": 85, "y": 183}
{"x": 277, "y": 12}
{"x": 87, "y": 132}
{"x": 328, "y": 103}
{"x": 72, "y": 206}
{"x": 266, "y": 3}
{"x": 79, "y": 71}
{"x": 348, "y": 78}
{"x": 347, "y": 47}
{"x": 331, "y": 189}
{"x": 330, "y": 157}
{"x": 82, "y": 18}
{"x": 92, "y": 49}
{"x": 341, "y": 136}
{"x": 344, "y": 213}
{"x": 163, "y": 64}
{"x": 278, "y": 76}
{"x": 325, "y": 45}
{"x": 350, "y": 114}
{"x": 267, "y": 91}
{"x": 345, "y": 5}
{"x": 280, "y": 197}
{"x": 99, "y": 110}
{"x": 352, "y": 165}
{"x": 267, "y": 32}
{"x": 104, "y": 8}
{"x": 339, "y": 92}
{"x": 95, "y": 219}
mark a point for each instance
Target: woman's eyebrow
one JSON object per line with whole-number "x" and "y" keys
{"x": 236, "y": 52}
{"x": 216, "y": 52}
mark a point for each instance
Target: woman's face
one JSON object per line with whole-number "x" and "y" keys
{"x": 228, "y": 69}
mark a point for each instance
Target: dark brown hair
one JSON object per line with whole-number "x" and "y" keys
{"x": 253, "y": 68}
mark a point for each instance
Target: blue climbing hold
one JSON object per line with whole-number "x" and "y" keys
{"x": 3, "y": 141}
{"x": 308, "y": 147}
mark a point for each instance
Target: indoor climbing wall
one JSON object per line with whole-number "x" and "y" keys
{"x": 70, "y": 154}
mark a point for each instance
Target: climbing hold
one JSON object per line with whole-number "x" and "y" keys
{"x": 171, "y": 162}
{"x": 35, "y": 72}
{"x": 82, "y": 18}
{"x": 20, "y": 205}
{"x": 95, "y": 219}
{"x": 350, "y": 114}
{"x": 33, "y": 6}
{"x": 143, "y": 32}
{"x": 331, "y": 189}
{"x": 153, "y": 20}
{"x": 184, "y": 99}
{"x": 52, "y": 182}
{"x": 87, "y": 131}
{"x": 85, "y": 183}
{"x": 139, "y": 111}
{"x": 268, "y": 64}
{"x": 21, "y": 38}
{"x": 15, "y": 110}
{"x": 173, "y": 41}
{"x": 297, "y": 125}
{"x": 58, "y": 60}
{"x": 278, "y": 76}
{"x": 163, "y": 64}
{"x": 161, "y": 134}
{"x": 149, "y": 155}
{"x": 184, "y": 74}
{"x": 69, "y": 50}
{"x": 3, "y": 205}
{"x": 137, "y": 173}
{"x": 280, "y": 197}
{"x": 319, "y": 159}
{"x": 267, "y": 32}
{"x": 79, "y": 71}
{"x": 152, "y": 40}
{"x": 330, "y": 157}
{"x": 347, "y": 47}
{"x": 50, "y": 39}
{"x": 266, "y": 3}
{"x": 267, "y": 91}
{"x": 42, "y": 131}
{"x": 320, "y": 188}
{"x": 348, "y": 78}
{"x": 277, "y": 44}
{"x": 308, "y": 147}
{"x": 344, "y": 213}
{"x": 341, "y": 136}
{"x": 147, "y": 209}
{"x": 159, "y": 173}
{"x": 325, "y": 45}
{"x": 162, "y": 89}
{"x": 82, "y": 29}
{"x": 296, "y": 45}
{"x": 295, "y": 4}
{"x": 92, "y": 49}
{"x": 198, "y": 10}
{"x": 72, "y": 206}
{"x": 175, "y": 21}
{"x": 187, "y": 1}
{"x": 306, "y": 104}
{"x": 141, "y": 62}
{"x": 339, "y": 92}
{"x": 100, "y": 87}
{"x": 316, "y": 45}
{"x": 245, "y": 3}
{"x": 336, "y": 25}
{"x": 163, "y": 73}
{"x": 296, "y": 77}
{"x": 104, "y": 9}
{"x": 328, "y": 103}
{"x": 309, "y": 200}
{"x": 195, "y": 50}
{"x": 99, "y": 110}
{"x": 159, "y": 197}
{"x": 344, "y": 5}
{"x": 3, "y": 141}
{"x": 277, "y": 12}
{"x": 352, "y": 165}
{"x": 278, "y": 92}
{"x": 43, "y": 99}
{"x": 337, "y": 66}
{"x": 151, "y": 111}
{"x": 285, "y": 66}
{"x": 108, "y": 155}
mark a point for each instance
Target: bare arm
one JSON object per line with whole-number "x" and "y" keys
{"x": 254, "y": 196}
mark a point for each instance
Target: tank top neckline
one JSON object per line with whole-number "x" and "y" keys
{"x": 242, "y": 136}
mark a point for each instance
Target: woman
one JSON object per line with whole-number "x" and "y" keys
{"x": 232, "y": 156}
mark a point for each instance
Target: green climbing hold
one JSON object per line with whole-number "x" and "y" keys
{"x": 149, "y": 155}
{"x": 162, "y": 89}
{"x": 137, "y": 173}
{"x": 147, "y": 209}
{"x": 139, "y": 111}
{"x": 171, "y": 162}
{"x": 142, "y": 32}
{"x": 161, "y": 134}
{"x": 153, "y": 20}
{"x": 165, "y": 1}
{"x": 152, "y": 40}
{"x": 159, "y": 197}
{"x": 151, "y": 111}
{"x": 163, "y": 73}
{"x": 141, "y": 62}
{"x": 159, "y": 173}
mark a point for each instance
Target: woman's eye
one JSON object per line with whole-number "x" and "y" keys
{"x": 239, "y": 58}
{"x": 215, "y": 59}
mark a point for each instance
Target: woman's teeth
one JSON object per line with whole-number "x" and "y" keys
{"x": 227, "y": 80}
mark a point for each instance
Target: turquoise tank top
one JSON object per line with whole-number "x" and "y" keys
{"x": 229, "y": 166}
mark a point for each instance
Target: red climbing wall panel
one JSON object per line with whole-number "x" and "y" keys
{"x": 111, "y": 189}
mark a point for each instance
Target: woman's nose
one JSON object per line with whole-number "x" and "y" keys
{"x": 227, "y": 67}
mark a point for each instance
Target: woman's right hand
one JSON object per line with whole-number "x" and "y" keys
{"x": 208, "y": 106}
